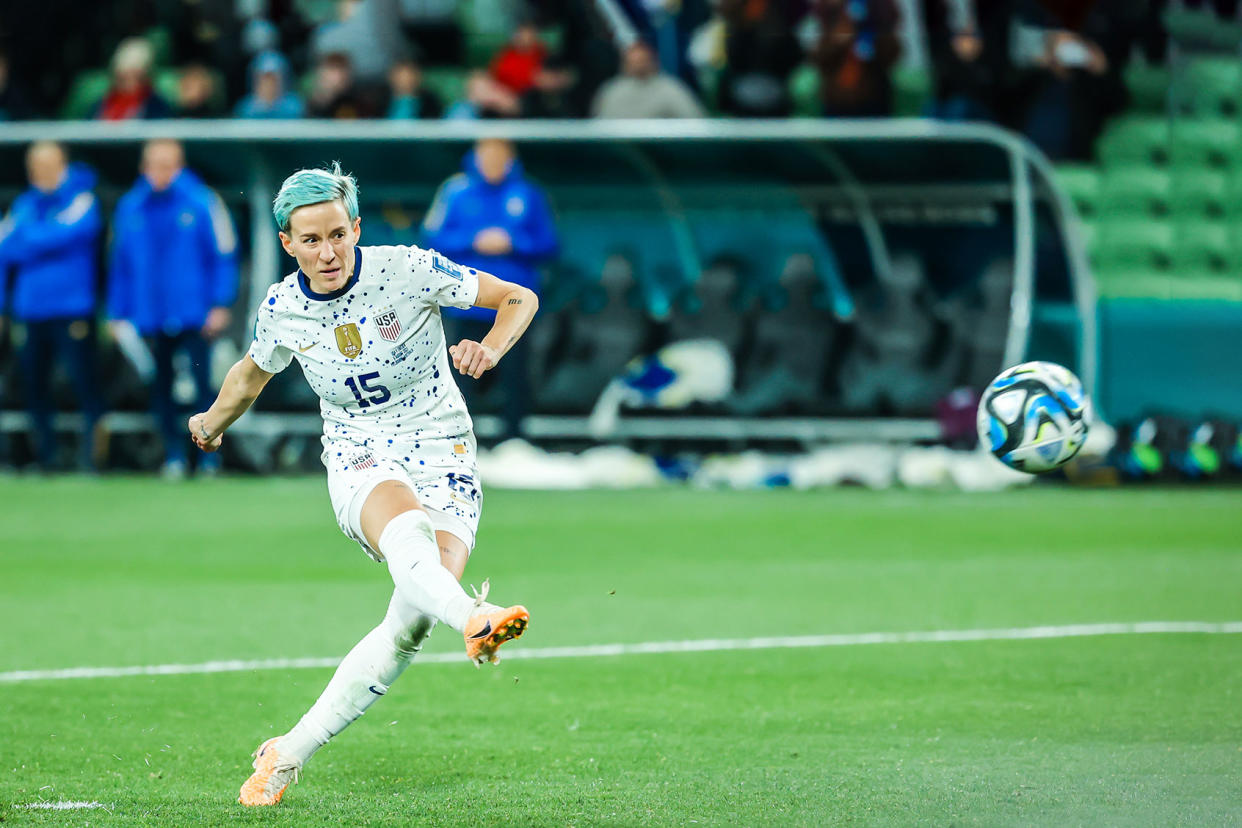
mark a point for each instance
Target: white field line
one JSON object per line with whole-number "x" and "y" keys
{"x": 656, "y": 647}
{"x": 58, "y": 806}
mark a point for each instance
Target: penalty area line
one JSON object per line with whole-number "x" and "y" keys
{"x": 708, "y": 645}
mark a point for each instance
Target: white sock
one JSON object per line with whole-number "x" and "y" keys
{"x": 364, "y": 675}
{"x": 408, "y": 544}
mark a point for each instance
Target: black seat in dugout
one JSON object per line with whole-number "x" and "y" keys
{"x": 760, "y": 242}
{"x": 601, "y": 329}
{"x": 787, "y": 361}
{"x": 896, "y": 361}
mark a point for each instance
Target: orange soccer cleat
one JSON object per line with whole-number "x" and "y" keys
{"x": 490, "y": 626}
{"x": 272, "y": 775}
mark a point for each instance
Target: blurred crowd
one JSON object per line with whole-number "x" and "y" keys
{"x": 1049, "y": 68}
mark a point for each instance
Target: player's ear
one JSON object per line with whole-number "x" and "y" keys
{"x": 286, "y": 242}
{"x": 357, "y": 229}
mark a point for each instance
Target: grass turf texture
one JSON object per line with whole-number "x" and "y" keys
{"x": 1137, "y": 730}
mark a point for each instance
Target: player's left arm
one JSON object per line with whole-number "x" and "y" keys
{"x": 515, "y": 307}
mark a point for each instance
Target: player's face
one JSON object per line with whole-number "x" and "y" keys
{"x": 322, "y": 238}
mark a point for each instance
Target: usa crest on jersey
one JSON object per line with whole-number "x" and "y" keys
{"x": 389, "y": 325}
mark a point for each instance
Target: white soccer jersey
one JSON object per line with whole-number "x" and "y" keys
{"x": 373, "y": 351}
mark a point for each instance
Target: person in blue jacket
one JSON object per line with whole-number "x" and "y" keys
{"x": 173, "y": 276}
{"x": 491, "y": 217}
{"x": 50, "y": 240}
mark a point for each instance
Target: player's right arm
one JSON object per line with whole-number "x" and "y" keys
{"x": 240, "y": 389}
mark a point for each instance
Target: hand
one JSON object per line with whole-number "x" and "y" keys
{"x": 199, "y": 434}
{"x": 493, "y": 241}
{"x": 217, "y": 320}
{"x": 473, "y": 358}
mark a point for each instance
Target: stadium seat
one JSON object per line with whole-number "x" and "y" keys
{"x": 804, "y": 91}
{"x": 86, "y": 92}
{"x": 643, "y": 238}
{"x": 1081, "y": 183}
{"x": 1204, "y": 143}
{"x": 1148, "y": 86}
{"x": 761, "y": 240}
{"x": 912, "y": 89}
{"x": 1132, "y": 283}
{"x": 1200, "y": 245}
{"x": 1199, "y": 194}
{"x": 1210, "y": 87}
{"x": 448, "y": 82}
{"x": 1134, "y": 191}
{"x": 1134, "y": 243}
{"x": 1135, "y": 140}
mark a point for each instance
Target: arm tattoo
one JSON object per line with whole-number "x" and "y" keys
{"x": 515, "y": 301}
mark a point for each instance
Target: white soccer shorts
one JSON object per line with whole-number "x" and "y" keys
{"x": 443, "y": 475}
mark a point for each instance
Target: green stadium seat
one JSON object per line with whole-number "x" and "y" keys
{"x": 1081, "y": 183}
{"x": 1214, "y": 286}
{"x": 1129, "y": 283}
{"x": 1134, "y": 191}
{"x": 1201, "y": 193}
{"x": 1141, "y": 244}
{"x": 87, "y": 90}
{"x": 161, "y": 44}
{"x": 448, "y": 82}
{"x": 1201, "y": 28}
{"x": 1135, "y": 140}
{"x": 1205, "y": 143}
{"x": 1132, "y": 283}
{"x": 804, "y": 91}
{"x": 166, "y": 82}
{"x": 1203, "y": 246}
{"x": 912, "y": 89}
{"x": 1210, "y": 87}
{"x": 1148, "y": 86}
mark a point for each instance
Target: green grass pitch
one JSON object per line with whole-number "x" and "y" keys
{"x": 1109, "y": 730}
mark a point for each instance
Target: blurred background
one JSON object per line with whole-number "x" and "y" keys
{"x": 777, "y": 242}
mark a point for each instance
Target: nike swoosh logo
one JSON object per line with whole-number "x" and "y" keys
{"x": 307, "y": 348}
{"x": 376, "y": 692}
{"x": 483, "y": 633}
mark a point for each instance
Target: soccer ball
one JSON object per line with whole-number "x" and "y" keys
{"x": 1034, "y": 416}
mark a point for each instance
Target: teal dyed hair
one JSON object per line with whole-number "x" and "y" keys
{"x": 306, "y": 187}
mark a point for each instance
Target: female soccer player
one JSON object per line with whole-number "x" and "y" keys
{"x": 364, "y": 323}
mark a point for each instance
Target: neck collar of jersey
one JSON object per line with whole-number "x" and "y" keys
{"x": 304, "y": 283}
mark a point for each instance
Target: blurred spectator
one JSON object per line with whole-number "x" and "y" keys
{"x": 485, "y": 98}
{"x": 519, "y": 63}
{"x": 1071, "y": 58}
{"x": 131, "y": 94}
{"x": 368, "y": 32}
{"x": 173, "y": 277}
{"x": 407, "y": 98}
{"x": 51, "y": 239}
{"x": 269, "y": 95}
{"x": 523, "y": 68}
{"x": 197, "y": 96}
{"x": 761, "y": 53}
{"x": 492, "y": 218}
{"x": 857, "y": 48}
{"x": 14, "y": 102}
{"x": 336, "y": 94}
{"x": 642, "y": 91}
{"x": 969, "y": 63}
